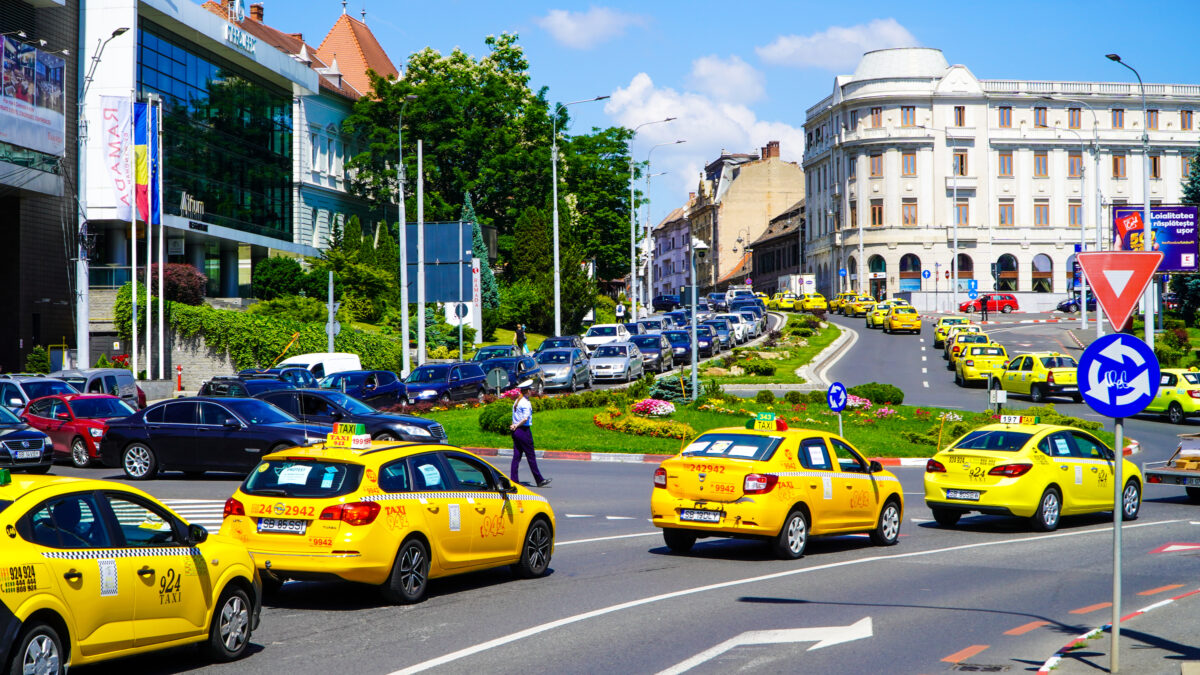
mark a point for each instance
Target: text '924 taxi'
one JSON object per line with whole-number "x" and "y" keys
{"x": 386, "y": 514}
{"x": 1023, "y": 468}
{"x": 776, "y": 484}
{"x": 94, "y": 570}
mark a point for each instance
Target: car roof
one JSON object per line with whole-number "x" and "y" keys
{"x": 34, "y": 486}
{"x": 378, "y": 452}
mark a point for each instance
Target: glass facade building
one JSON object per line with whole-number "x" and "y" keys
{"x": 227, "y": 135}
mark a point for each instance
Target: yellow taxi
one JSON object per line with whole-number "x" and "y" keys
{"x": 838, "y": 304}
{"x": 874, "y": 318}
{"x": 976, "y": 362}
{"x": 861, "y": 305}
{"x": 1039, "y": 375}
{"x": 813, "y": 301}
{"x": 776, "y": 484}
{"x": 959, "y": 342}
{"x": 392, "y": 515}
{"x": 955, "y": 331}
{"x": 782, "y": 301}
{"x": 1178, "y": 394}
{"x": 94, "y": 570}
{"x": 902, "y": 317}
{"x": 943, "y": 327}
{"x": 1020, "y": 467}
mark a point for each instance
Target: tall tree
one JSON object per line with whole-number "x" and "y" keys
{"x": 1191, "y": 184}
{"x": 598, "y": 176}
{"x": 487, "y": 280}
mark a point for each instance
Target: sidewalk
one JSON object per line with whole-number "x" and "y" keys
{"x": 1158, "y": 639}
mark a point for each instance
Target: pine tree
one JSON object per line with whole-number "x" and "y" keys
{"x": 490, "y": 292}
{"x": 352, "y": 235}
{"x": 1191, "y": 184}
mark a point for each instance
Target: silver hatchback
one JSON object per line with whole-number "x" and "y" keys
{"x": 617, "y": 361}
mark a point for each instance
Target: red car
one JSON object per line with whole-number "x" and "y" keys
{"x": 75, "y": 423}
{"x": 996, "y": 302}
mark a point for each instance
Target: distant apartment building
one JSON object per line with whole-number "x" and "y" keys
{"x": 779, "y": 251}
{"x": 672, "y": 247}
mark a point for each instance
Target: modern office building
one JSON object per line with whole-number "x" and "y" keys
{"x": 909, "y": 145}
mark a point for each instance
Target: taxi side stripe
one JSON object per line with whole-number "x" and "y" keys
{"x": 827, "y": 474}
{"x": 405, "y": 496}
{"x": 94, "y": 554}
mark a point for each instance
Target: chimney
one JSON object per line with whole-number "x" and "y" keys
{"x": 256, "y": 11}
{"x": 771, "y": 150}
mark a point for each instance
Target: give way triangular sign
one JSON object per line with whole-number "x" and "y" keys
{"x": 1119, "y": 278}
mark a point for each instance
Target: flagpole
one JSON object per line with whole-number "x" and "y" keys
{"x": 162, "y": 244}
{"x": 133, "y": 362}
{"x": 149, "y": 247}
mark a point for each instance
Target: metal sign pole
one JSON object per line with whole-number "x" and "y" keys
{"x": 1118, "y": 515}
{"x": 840, "y": 426}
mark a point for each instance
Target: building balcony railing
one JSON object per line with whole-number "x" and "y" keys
{"x": 1092, "y": 88}
{"x": 962, "y": 182}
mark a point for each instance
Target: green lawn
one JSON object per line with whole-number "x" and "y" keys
{"x": 785, "y": 372}
{"x": 505, "y": 336}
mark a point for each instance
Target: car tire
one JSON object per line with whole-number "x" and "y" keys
{"x": 958, "y": 379}
{"x": 386, "y": 436}
{"x": 139, "y": 462}
{"x": 479, "y": 394}
{"x": 573, "y": 387}
{"x": 535, "y": 551}
{"x": 789, "y": 544}
{"x": 1174, "y": 413}
{"x": 79, "y": 454}
{"x": 946, "y": 517}
{"x": 1131, "y": 500}
{"x": 679, "y": 541}
{"x": 1077, "y": 398}
{"x": 38, "y": 650}
{"x": 409, "y": 579}
{"x": 229, "y": 629}
{"x": 1193, "y": 494}
{"x": 1049, "y": 511}
{"x": 445, "y": 399}
{"x": 887, "y": 530}
{"x": 1036, "y": 393}
{"x": 1007, "y": 309}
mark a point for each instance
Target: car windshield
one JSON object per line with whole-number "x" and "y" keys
{"x": 428, "y": 374}
{"x": 550, "y": 343}
{"x": 611, "y": 351}
{"x": 602, "y": 331}
{"x": 646, "y": 341}
{"x": 258, "y": 412}
{"x": 7, "y": 417}
{"x": 92, "y": 408}
{"x": 905, "y": 310}
{"x": 492, "y": 353}
{"x": 1192, "y": 378}
{"x": 953, "y": 322}
{"x": 314, "y": 479}
{"x": 1058, "y": 361}
{"x": 995, "y": 439}
{"x": 42, "y": 388}
{"x": 556, "y": 356}
{"x": 677, "y": 336}
{"x": 351, "y": 404}
{"x": 719, "y": 325}
{"x": 987, "y": 351}
{"x": 734, "y": 446}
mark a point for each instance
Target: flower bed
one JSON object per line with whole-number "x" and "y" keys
{"x": 614, "y": 420}
{"x": 653, "y": 407}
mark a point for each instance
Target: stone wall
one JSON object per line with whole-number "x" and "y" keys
{"x": 199, "y": 361}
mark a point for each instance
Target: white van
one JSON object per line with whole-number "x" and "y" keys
{"x": 321, "y": 364}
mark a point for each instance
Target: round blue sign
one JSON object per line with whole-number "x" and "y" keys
{"x": 972, "y": 294}
{"x": 925, "y": 274}
{"x": 1118, "y": 375}
{"x": 836, "y": 397}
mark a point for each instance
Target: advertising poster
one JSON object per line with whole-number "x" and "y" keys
{"x": 1173, "y": 231}
{"x": 32, "y": 98}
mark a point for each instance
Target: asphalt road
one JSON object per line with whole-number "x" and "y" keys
{"x": 988, "y": 593}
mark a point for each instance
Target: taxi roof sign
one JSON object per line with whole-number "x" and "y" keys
{"x": 1118, "y": 279}
{"x": 1017, "y": 419}
{"x": 766, "y": 421}
{"x": 348, "y": 436}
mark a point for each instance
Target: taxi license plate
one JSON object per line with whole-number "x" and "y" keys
{"x": 29, "y": 454}
{"x": 966, "y": 495}
{"x": 281, "y": 525}
{"x": 700, "y": 516}
{"x": 1070, "y": 389}
{"x": 1193, "y": 481}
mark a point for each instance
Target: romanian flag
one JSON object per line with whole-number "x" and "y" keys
{"x": 146, "y": 161}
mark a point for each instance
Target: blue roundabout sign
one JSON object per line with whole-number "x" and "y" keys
{"x": 836, "y": 397}
{"x": 1118, "y": 375}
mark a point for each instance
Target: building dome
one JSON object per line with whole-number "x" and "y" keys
{"x": 901, "y": 62}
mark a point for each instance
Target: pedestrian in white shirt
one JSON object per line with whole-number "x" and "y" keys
{"x": 522, "y": 433}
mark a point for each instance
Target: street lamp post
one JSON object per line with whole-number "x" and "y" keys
{"x": 1147, "y": 231}
{"x": 1083, "y": 321}
{"x": 954, "y": 169}
{"x": 698, "y": 248}
{"x": 633, "y": 210}
{"x": 402, "y": 235}
{"x": 646, "y": 228}
{"x": 647, "y": 248}
{"x": 554, "y": 179}
{"x": 82, "y": 335}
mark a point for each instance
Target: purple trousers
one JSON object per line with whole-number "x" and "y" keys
{"x": 523, "y": 445}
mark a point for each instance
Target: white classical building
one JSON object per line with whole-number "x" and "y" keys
{"x": 909, "y": 142}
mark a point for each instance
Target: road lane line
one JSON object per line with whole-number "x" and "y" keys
{"x": 619, "y": 536}
{"x": 1023, "y": 629}
{"x": 923, "y": 358}
{"x": 1161, "y": 589}
{"x": 603, "y": 611}
{"x": 618, "y": 517}
{"x": 1092, "y": 608}
{"x": 924, "y": 370}
{"x": 964, "y": 654}
{"x": 926, "y": 383}
{"x": 578, "y": 515}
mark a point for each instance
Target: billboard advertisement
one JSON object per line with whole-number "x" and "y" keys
{"x": 32, "y": 98}
{"x": 1173, "y": 231}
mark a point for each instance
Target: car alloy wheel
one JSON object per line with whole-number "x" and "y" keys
{"x": 234, "y": 626}
{"x": 139, "y": 462}
{"x": 793, "y": 537}
{"x": 410, "y": 574}
{"x": 1007, "y": 309}
{"x": 1049, "y": 511}
{"x": 1175, "y": 413}
{"x": 887, "y": 531}
{"x": 535, "y": 553}
{"x": 1131, "y": 501}
{"x": 79, "y": 453}
{"x": 40, "y": 652}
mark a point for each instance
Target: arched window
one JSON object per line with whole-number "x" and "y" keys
{"x": 878, "y": 276}
{"x": 1043, "y": 271}
{"x": 966, "y": 266}
{"x": 1006, "y": 273}
{"x": 876, "y": 264}
{"x": 910, "y": 272}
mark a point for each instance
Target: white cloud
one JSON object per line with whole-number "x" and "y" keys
{"x": 707, "y": 124}
{"x": 837, "y": 48}
{"x": 584, "y": 30}
{"x": 729, "y": 79}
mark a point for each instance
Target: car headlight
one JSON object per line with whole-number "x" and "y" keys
{"x": 96, "y": 433}
{"x": 426, "y": 393}
{"x": 410, "y": 430}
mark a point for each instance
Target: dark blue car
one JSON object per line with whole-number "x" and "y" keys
{"x": 681, "y": 345}
{"x": 299, "y": 377}
{"x": 24, "y": 448}
{"x": 678, "y": 318}
{"x": 377, "y": 387}
{"x": 446, "y": 382}
{"x": 201, "y": 434}
{"x": 657, "y": 355}
{"x": 716, "y": 301}
{"x": 330, "y": 407}
{"x": 505, "y": 373}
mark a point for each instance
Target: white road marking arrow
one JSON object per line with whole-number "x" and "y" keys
{"x": 824, "y": 636}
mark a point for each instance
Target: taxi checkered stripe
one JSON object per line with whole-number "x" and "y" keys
{"x": 395, "y": 496}
{"x": 826, "y": 474}
{"x": 95, "y": 554}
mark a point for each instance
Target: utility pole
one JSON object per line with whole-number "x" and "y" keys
{"x": 420, "y": 255}
{"x": 403, "y": 236}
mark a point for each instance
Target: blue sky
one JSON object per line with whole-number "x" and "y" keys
{"x": 738, "y": 74}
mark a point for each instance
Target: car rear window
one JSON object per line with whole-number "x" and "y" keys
{"x": 733, "y": 446}
{"x": 1192, "y": 378}
{"x": 303, "y": 478}
{"x": 1057, "y": 361}
{"x": 987, "y": 351}
{"x": 610, "y": 351}
{"x": 996, "y": 439}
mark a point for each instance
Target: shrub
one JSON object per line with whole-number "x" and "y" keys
{"x": 276, "y": 277}
{"x": 441, "y": 352}
{"x": 1167, "y": 356}
{"x": 496, "y": 417}
{"x": 794, "y": 397}
{"x": 653, "y": 407}
{"x": 37, "y": 360}
{"x": 183, "y": 284}
{"x": 1177, "y": 338}
{"x": 491, "y": 321}
{"x": 294, "y": 307}
{"x": 803, "y": 332}
{"x": 1171, "y": 323}
{"x": 669, "y": 389}
{"x": 641, "y": 388}
{"x": 879, "y": 393}
{"x": 103, "y": 362}
{"x": 815, "y": 396}
{"x": 819, "y": 314}
{"x": 758, "y": 367}
{"x": 1049, "y": 415}
{"x": 765, "y": 396}
{"x": 712, "y": 390}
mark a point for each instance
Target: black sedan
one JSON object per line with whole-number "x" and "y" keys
{"x": 1071, "y": 305}
{"x": 657, "y": 354}
{"x": 330, "y": 407}
{"x": 200, "y": 434}
{"x": 375, "y": 387}
{"x": 665, "y": 303}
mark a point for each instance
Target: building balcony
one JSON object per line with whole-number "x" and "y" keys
{"x": 962, "y": 182}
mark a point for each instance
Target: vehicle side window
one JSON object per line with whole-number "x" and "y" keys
{"x": 70, "y": 521}
{"x": 57, "y": 407}
{"x": 286, "y": 402}
{"x": 1056, "y": 445}
{"x": 9, "y": 392}
{"x": 814, "y": 455}
{"x": 156, "y": 415}
{"x": 95, "y": 385}
{"x": 847, "y": 458}
{"x": 394, "y": 477}
{"x": 471, "y": 475}
{"x": 454, "y": 374}
{"x": 182, "y": 412}
{"x": 213, "y": 414}
{"x": 318, "y": 371}
{"x": 236, "y": 389}
{"x": 386, "y": 377}
{"x": 1088, "y": 447}
{"x": 427, "y": 473}
{"x": 110, "y": 385}
{"x": 1168, "y": 380}
{"x": 314, "y": 405}
{"x": 141, "y": 524}
{"x": 40, "y": 409}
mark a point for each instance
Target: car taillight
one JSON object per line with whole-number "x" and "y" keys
{"x": 354, "y": 513}
{"x": 660, "y": 477}
{"x": 759, "y": 483}
{"x": 234, "y": 508}
{"x": 1194, "y": 393}
{"x": 1010, "y": 470}
{"x": 934, "y": 466}
{"x": 1050, "y": 377}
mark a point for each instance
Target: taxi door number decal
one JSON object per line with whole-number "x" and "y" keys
{"x": 828, "y": 483}
{"x": 19, "y": 579}
{"x": 168, "y": 588}
{"x": 860, "y": 499}
{"x": 108, "y": 577}
{"x": 1102, "y": 477}
{"x": 493, "y": 526}
{"x": 1078, "y": 475}
{"x": 455, "y": 518}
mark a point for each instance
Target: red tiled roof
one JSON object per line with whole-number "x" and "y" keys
{"x": 740, "y": 269}
{"x": 357, "y": 51}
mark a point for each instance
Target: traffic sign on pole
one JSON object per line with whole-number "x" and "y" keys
{"x": 1118, "y": 375}
{"x": 841, "y": 271}
{"x": 837, "y": 398}
{"x": 1118, "y": 279}
{"x": 972, "y": 284}
{"x": 925, "y": 274}
{"x": 971, "y": 295}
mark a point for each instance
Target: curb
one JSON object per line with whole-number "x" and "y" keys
{"x": 1076, "y": 340}
{"x": 935, "y": 317}
{"x": 1052, "y": 662}
{"x": 813, "y": 371}
{"x": 624, "y": 458}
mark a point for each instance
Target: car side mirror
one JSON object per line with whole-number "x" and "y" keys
{"x": 505, "y": 485}
{"x": 232, "y": 424}
{"x": 63, "y": 416}
{"x": 196, "y": 535}
{"x": 876, "y": 467}
{"x": 15, "y": 402}
{"x": 337, "y": 415}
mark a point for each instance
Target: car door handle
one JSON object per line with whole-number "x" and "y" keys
{"x": 1095, "y": 470}
{"x": 72, "y": 575}
{"x": 433, "y": 509}
{"x": 483, "y": 509}
{"x": 146, "y": 572}
{"x": 1063, "y": 468}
